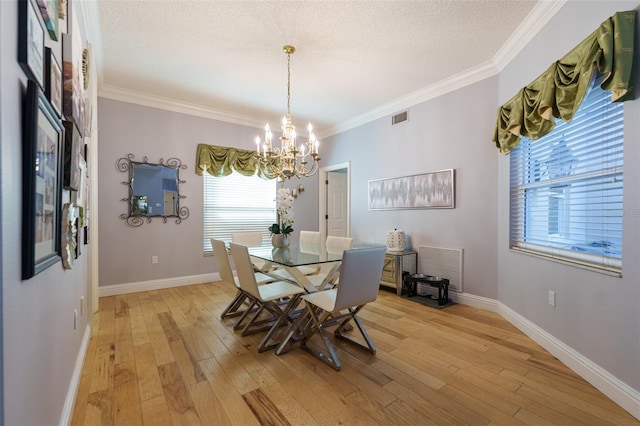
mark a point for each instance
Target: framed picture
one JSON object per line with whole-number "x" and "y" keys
{"x": 30, "y": 42}
{"x": 434, "y": 190}
{"x": 72, "y": 78}
{"x": 73, "y": 148}
{"x": 78, "y": 197}
{"x": 49, "y": 12}
{"x": 62, "y": 15}
{"x": 42, "y": 176}
{"x": 53, "y": 81}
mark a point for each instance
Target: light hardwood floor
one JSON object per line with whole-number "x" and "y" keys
{"x": 166, "y": 358}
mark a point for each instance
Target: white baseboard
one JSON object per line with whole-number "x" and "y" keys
{"x": 480, "y": 302}
{"x": 621, "y": 393}
{"x": 117, "y": 289}
{"x": 69, "y": 401}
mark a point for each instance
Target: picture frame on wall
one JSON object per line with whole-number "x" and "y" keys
{"x": 49, "y": 13}
{"x": 30, "y": 42}
{"x": 78, "y": 197}
{"x": 73, "y": 148}
{"x": 435, "y": 190}
{"x": 53, "y": 81}
{"x": 72, "y": 77}
{"x": 63, "y": 6}
{"x": 42, "y": 177}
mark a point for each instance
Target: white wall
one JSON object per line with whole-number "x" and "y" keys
{"x": 452, "y": 131}
{"x": 596, "y": 315}
{"x": 125, "y": 252}
{"x": 40, "y": 345}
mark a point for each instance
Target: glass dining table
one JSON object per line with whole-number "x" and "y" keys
{"x": 298, "y": 254}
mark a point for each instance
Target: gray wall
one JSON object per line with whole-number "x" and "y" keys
{"x": 125, "y": 253}
{"x": 597, "y": 315}
{"x": 39, "y": 343}
{"x": 452, "y": 131}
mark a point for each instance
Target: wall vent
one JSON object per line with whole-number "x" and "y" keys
{"x": 399, "y": 118}
{"x": 442, "y": 262}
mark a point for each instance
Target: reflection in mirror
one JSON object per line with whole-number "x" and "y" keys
{"x": 153, "y": 190}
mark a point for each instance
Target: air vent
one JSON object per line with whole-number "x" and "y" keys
{"x": 399, "y": 118}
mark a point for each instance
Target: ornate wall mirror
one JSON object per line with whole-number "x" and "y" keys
{"x": 154, "y": 190}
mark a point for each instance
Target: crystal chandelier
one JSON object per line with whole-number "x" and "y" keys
{"x": 287, "y": 160}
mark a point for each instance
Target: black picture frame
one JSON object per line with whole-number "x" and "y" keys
{"x": 73, "y": 149}
{"x": 30, "y": 42}
{"x": 42, "y": 177}
{"x": 53, "y": 81}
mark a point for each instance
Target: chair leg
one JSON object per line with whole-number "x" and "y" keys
{"x": 283, "y": 317}
{"x": 250, "y": 309}
{"x": 232, "y": 308}
{"x": 332, "y": 359}
{"x": 353, "y": 316}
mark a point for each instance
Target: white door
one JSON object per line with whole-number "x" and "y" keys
{"x": 337, "y": 204}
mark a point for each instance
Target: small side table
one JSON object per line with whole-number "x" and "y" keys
{"x": 395, "y": 263}
{"x": 410, "y": 286}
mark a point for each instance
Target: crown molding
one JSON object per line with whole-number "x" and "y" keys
{"x": 145, "y": 99}
{"x": 449, "y": 84}
{"x": 537, "y": 18}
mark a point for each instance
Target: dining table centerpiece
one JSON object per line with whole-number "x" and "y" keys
{"x": 284, "y": 208}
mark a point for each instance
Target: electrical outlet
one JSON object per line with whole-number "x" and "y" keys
{"x": 552, "y": 298}
{"x": 82, "y": 305}
{"x": 154, "y": 260}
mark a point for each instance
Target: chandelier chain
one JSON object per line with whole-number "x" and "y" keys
{"x": 289, "y": 83}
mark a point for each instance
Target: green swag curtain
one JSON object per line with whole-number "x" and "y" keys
{"x": 559, "y": 91}
{"x": 222, "y": 161}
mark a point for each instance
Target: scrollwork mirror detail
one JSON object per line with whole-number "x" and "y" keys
{"x": 154, "y": 190}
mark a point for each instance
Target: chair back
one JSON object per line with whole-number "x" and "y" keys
{"x": 360, "y": 274}
{"x": 338, "y": 244}
{"x": 249, "y": 239}
{"x": 244, "y": 269}
{"x": 222, "y": 260}
{"x": 310, "y": 242}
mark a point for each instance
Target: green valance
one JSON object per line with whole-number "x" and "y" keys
{"x": 222, "y": 161}
{"x": 559, "y": 91}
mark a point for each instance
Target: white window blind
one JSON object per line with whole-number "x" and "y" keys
{"x": 566, "y": 187}
{"x": 237, "y": 203}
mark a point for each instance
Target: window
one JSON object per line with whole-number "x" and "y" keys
{"x": 237, "y": 203}
{"x": 566, "y": 187}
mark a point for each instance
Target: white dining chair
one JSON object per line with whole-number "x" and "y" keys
{"x": 335, "y": 245}
{"x": 279, "y": 298}
{"x": 226, "y": 275}
{"x": 338, "y": 244}
{"x": 360, "y": 274}
{"x": 252, "y": 239}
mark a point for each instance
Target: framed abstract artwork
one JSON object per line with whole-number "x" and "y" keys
{"x": 30, "y": 42}
{"x": 435, "y": 190}
{"x": 42, "y": 176}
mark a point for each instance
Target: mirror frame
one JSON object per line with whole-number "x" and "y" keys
{"x": 126, "y": 165}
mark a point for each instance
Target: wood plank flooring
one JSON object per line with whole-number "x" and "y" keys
{"x": 166, "y": 358}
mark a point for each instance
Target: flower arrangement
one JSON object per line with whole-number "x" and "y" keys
{"x": 284, "y": 207}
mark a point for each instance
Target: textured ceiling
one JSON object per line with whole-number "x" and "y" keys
{"x": 352, "y": 57}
